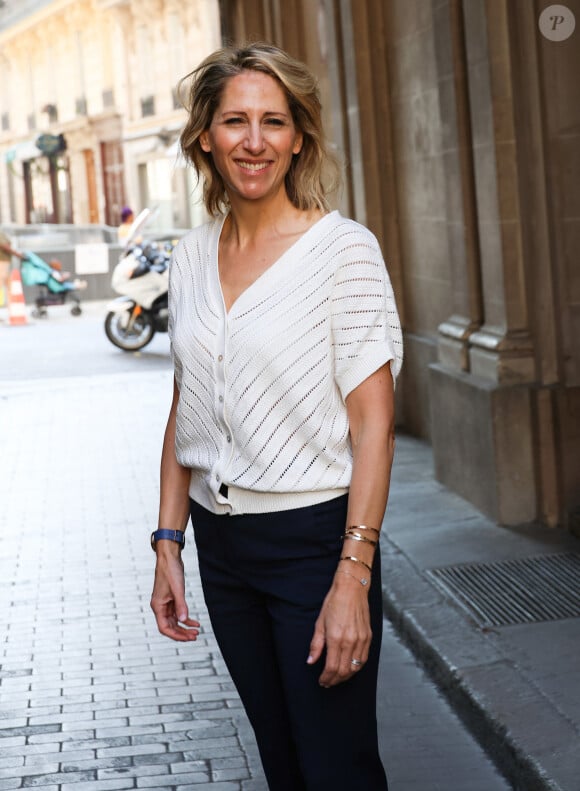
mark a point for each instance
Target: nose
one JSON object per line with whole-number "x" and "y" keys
{"x": 255, "y": 138}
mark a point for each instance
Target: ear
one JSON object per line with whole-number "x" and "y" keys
{"x": 204, "y": 141}
{"x": 298, "y": 143}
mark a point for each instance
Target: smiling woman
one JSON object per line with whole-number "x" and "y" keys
{"x": 306, "y": 184}
{"x": 279, "y": 443}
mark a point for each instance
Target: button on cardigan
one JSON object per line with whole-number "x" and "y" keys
{"x": 262, "y": 387}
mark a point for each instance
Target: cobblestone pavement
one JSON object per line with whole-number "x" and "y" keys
{"x": 92, "y": 698}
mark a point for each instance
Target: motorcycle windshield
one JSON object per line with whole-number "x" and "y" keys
{"x": 139, "y": 223}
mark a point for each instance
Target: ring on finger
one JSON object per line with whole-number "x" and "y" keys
{"x": 356, "y": 662}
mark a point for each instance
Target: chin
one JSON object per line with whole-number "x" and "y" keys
{"x": 256, "y": 193}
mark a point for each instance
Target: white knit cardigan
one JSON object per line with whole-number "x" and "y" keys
{"x": 262, "y": 388}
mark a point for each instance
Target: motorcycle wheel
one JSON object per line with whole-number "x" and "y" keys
{"x": 126, "y": 335}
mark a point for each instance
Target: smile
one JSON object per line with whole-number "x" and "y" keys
{"x": 253, "y": 166}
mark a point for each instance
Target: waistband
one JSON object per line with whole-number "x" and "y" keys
{"x": 246, "y": 501}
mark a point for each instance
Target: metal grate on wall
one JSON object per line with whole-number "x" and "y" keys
{"x": 511, "y": 592}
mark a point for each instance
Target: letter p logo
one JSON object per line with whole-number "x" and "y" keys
{"x": 557, "y": 23}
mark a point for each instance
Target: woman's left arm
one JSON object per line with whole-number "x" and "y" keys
{"x": 343, "y": 626}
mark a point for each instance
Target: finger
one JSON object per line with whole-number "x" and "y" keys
{"x": 180, "y": 605}
{"x": 179, "y": 634}
{"x": 171, "y": 627}
{"x": 189, "y": 622}
{"x": 356, "y": 664}
{"x": 332, "y": 677}
{"x": 359, "y": 655}
{"x": 169, "y": 624}
{"x": 339, "y": 667}
{"x": 330, "y": 674}
{"x": 357, "y": 658}
{"x": 316, "y": 645}
{"x": 345, "y": 669}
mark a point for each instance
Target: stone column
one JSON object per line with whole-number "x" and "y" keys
{"x": 502, "y": 349}
{"x": 482, "y": 404}
{"x": 465, "y": 257}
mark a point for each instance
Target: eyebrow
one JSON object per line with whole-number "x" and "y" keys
{"x": 267, "y": 113}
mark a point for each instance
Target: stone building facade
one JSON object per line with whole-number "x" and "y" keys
{"x": 102, "y": 76}
{"x": 460, "y": 125}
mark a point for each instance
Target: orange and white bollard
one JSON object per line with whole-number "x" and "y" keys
{"x": 16, "y": 304}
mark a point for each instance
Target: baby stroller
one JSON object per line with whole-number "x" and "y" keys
{"x": 53, "y": 286}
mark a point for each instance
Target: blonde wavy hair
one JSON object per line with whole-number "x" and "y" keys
{"x": 314, "y": 172}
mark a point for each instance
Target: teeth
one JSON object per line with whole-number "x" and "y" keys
{"x": 253, "y": 165}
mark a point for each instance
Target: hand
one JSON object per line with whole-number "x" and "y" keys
{"x": 168, "y": 597}
{"x": 343, "y": 626}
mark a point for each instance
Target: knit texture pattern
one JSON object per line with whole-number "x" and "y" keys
{"x": 263, "y": 387}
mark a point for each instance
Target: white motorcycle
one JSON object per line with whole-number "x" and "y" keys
{"x": 142, "y": 278}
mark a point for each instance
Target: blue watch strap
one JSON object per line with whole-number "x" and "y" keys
{"x": 171, "y": 535}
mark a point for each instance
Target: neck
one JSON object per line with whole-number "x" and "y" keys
{"x": 249, "y": 220}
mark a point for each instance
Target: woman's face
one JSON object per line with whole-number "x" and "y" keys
{"x": 252, "y": 136}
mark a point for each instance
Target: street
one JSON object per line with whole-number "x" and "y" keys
{"x": 91, "y": 696}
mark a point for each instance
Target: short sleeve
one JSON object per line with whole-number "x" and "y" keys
{"x": 366, "y": 331}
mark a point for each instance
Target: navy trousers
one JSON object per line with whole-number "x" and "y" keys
{"x": 264, "y": 578}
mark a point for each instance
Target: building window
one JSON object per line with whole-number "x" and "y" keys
{"x": 51, "y": 112}
{"x": 146, "y": 58}
{"x": 147, "y": 106}
{"x": 80, "y": 88}
{"x": 108, "y": 98}
{"x": 5, "y": 122}
{"x": 31, "y": 122}
{"x": 177, "y": 105}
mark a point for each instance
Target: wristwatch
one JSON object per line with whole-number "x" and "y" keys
{"x": 171, "y": 535}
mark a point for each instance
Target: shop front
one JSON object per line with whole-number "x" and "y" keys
{"x": 42, "y": 166}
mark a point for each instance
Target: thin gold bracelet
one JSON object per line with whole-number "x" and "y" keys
{"x": 363, "y": 580}
{"x": 356, "y": 560}
{"x": 358, "y": 537}
{"x": 363, "y": 527}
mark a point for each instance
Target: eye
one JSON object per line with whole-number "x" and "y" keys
{"x": 233, "y": 120}
{"x": 275, "y": 122}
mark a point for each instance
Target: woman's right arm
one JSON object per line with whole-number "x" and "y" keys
{"x": 168, "y": 597}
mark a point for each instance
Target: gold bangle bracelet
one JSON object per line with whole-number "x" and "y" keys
{"x": 363, "y": 580}
{"x": 356, "y": 560}
{"x": 358, "y": 537}
{"x": 363, "y": 527}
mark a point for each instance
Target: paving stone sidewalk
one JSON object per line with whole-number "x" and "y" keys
{"x": 92, "y": 697}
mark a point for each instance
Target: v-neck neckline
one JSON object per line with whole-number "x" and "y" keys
{"x": 267, "y": 272}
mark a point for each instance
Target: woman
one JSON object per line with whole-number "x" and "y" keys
{"x": 127, "y": 219}
{"x": 279, "y": 443}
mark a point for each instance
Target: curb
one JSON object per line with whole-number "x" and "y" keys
{"x": 409, "y": 603}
